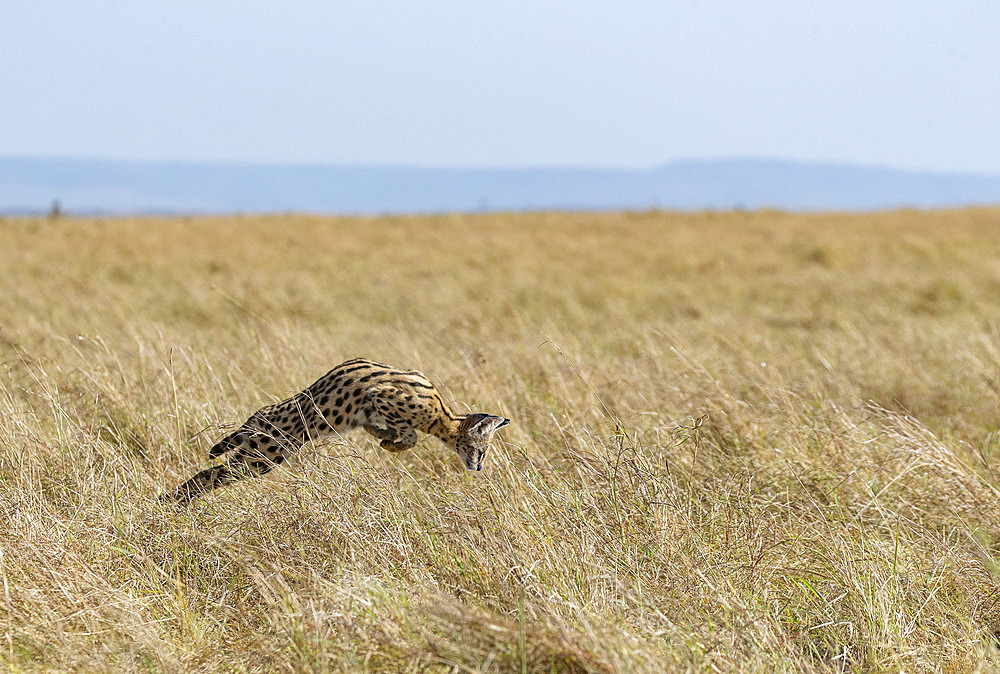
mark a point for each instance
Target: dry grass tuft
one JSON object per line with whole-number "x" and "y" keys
{"x": 754, "y": 441}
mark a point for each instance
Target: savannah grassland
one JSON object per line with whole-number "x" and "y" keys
{"x": 740, "y": 441}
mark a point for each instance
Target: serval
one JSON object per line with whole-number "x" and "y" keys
{"x": 390, "y": 404}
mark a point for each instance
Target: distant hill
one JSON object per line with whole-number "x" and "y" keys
{"x": 104, "y": 186}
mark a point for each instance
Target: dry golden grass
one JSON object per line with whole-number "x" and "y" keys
{"x": 752, "y": 442}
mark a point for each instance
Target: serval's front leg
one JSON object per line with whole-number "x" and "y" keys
{"x": 385, "y": 420}
{"x": 402, "y": 442}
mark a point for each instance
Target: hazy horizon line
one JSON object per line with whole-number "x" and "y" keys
{"x": 723, "y": 159}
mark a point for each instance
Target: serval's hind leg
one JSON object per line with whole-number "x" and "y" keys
{"x": 202, "y": 482}
{"x": 249, "y": 460}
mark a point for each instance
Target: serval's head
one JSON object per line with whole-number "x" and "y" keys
{"x": 474, "y": 436}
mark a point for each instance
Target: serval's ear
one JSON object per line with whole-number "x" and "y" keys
{"x": 489, "y": 424}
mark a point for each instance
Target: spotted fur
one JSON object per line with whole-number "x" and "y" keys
{"x": 390, "y": 404}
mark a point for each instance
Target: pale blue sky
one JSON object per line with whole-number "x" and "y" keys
{"x": 908, "y": 84}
